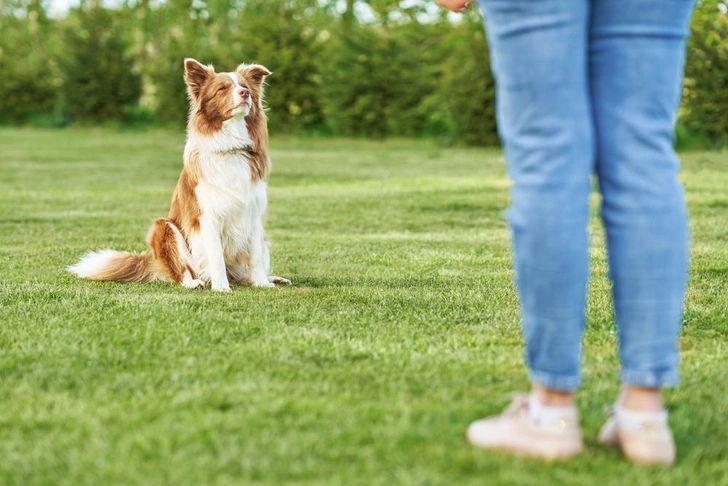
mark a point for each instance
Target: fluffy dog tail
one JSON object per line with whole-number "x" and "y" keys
{"x": 117, "y": 265}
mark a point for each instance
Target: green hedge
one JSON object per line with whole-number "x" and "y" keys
{"x": 400, "y": 73}
{"x": 705, "y": 104}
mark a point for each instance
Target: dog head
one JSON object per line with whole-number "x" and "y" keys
{"x": 218, "y": 97}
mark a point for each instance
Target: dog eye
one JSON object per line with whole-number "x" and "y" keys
{"x": 221, "y": 88}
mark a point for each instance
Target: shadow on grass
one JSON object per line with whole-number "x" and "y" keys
{"x": 424, "y": 282}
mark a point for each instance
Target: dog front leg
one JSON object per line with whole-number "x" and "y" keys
{"x": 259, "y": 259}
{"x": 274, "y": 279}
{"x": 215, "y": 257}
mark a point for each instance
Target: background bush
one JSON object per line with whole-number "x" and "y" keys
{"x": 29, "y": 75}
{"x": 100, "y": 81}
{"x": 377, "y": 68}
{"x": 705, "y": 105}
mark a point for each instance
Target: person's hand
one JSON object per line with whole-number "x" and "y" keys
{"x": 454, "y": 5}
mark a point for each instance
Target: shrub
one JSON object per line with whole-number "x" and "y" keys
{"x": 705, "y": 102}
{"x": 100, "y": 82}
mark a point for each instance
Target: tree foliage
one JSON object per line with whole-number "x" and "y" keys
{"x": 374, "y": 81}
{"x": 374, "y": 68}
{"x": 469, "y": 87}
{"x": 29, "y": 75}
{"x": 705, "y": 107}
{"x": 100, "y": 79}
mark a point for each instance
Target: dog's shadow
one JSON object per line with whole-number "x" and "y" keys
{"x": 319, "y": 282}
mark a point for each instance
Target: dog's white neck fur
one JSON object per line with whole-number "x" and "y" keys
{"x": 233, "y": 136}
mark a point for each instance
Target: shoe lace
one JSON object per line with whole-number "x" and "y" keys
{"x": 518, "y": 404}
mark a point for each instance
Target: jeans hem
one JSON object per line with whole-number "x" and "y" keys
{"x": 650, "y": 379}
{"x": 555, "y": 382}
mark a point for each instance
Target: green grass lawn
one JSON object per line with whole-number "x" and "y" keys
{"x": 400, "y": 329}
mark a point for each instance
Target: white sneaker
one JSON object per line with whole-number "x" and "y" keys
{"x": 647, "y": 440}
{"x": 514, "y": 431}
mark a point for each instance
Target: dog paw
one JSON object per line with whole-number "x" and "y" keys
{"x": 263, "y": 284}
{"x": 278, "y": 280}
{"x": 221, "y": 288}
{"x": 193, "y": 283}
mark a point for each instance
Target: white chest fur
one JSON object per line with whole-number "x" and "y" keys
{"x": 225, "y": 191}
{"x": 231, "y": 205}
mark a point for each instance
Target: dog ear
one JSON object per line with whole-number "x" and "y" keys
{"x": 255, "y": 73}
{"x": 196, "y": 75}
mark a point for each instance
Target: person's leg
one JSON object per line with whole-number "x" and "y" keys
{"x": 636, "y": 53}
{"x": 538, "y": 51}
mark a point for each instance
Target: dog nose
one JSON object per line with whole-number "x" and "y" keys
{"x": 244, "y": 93}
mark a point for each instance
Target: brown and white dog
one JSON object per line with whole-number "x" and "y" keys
{"x": 214, "y": 232}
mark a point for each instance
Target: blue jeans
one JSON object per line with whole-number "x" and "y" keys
{"x": 591, "y": 88}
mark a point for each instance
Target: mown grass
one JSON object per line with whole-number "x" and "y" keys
{"x": 401, "y": 327}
